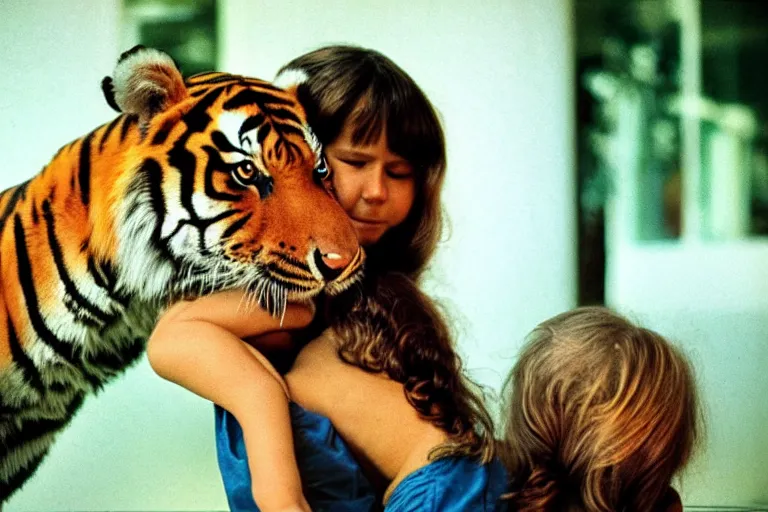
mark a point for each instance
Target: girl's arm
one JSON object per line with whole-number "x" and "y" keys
{"x": 199, "y": 346}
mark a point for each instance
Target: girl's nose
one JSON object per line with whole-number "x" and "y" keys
{"x": 375, "y": 187}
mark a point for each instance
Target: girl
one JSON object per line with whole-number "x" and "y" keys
{"x": 601, "y": 415}
{"x": 385, "y": 148}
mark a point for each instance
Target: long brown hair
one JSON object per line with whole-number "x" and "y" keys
{"x": 390, "y": 326}
{"x": 396, "y": 329}
{"x": 362, "y": 86}
{"x": 601, "y": 415}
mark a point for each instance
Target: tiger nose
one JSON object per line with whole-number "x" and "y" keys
{"x": 331, "y": 264}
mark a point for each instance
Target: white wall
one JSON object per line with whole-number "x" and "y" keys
{"x": 500, "y": 73}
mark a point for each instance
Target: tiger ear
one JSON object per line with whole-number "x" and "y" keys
{"x": 145, "y": 82}
{"x": 290, "y": 79}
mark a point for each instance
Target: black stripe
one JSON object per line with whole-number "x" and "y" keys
{"x": 284, "y": 114}
{"x": 251, "y": 123}
{"x": 197, "y": 119}
{"x": 223, "y": 144}
{"x": 216, "y": 164}
{"x": 235, "y": 226}
{"x": 254, "y": 97}
{"x": 84, "y": 170}
{"x": 293, "y": 150}
{"x": 187, "y": 184}
{"x": 24, "y": 363}
{"x": 152, "y": 173}
{"x": 161, "y": 135}
{"x": 110, "y": 127}
{"x": 19, "y": 192}
{"x": 291, "y": 261}
{"x": 200, "y": 225}
{"x": 285, "y": 273}
{"x": 9, "y": 411}
{"x": 128, "y": 121}
{"x": 262, "y": 84}
{"x": 263, "y": 133}
{"x": 68, "y": 351}
{"x": 183, "y": 160}
{"x": 109, "y": 273}
{"x": 216, "y": 78}
{"x": 105, "y": 269}
{"x": 212, "y": 79}
{"x": 61, "y": 267}
{"x": 203, "y": 74}
{"x": 204, "y": 224}
{"x": 96, "y": 274}
{"x": 285, "y": 129}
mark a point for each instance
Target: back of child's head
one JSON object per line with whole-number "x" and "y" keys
{"x": 365, "y": 88}
{"x": 601, "y": 415}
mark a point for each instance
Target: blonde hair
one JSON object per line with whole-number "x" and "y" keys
{"x": 601, "y": 415}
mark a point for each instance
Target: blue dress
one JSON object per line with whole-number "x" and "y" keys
{"x": 333, "y": 481}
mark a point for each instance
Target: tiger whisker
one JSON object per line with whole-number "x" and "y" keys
{"x": 283, "y": 305}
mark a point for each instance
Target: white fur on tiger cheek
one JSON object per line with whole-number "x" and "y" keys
{"x": 131, "y": 85}
{"x": 290, "y": 78}
{"x": 314, "y": 144}
{"x": 143, "y": 270}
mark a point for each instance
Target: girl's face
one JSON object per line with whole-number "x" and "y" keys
{"x": 374, "y": 186}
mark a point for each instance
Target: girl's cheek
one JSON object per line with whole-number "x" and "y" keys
{"x": 328, "y": 184}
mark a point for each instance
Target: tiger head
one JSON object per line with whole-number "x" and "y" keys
{"x": 225, "y": 186}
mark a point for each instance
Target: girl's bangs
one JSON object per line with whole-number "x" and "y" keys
{"x": 413, "y": 131}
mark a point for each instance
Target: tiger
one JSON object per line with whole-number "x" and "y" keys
{"x": 200, "y": 185}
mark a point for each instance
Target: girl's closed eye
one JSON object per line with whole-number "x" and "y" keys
{"x": 400, "y": 173}
{"x": 357, "y": 164}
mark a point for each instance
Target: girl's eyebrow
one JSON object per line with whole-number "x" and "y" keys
{"x": 365, "y": 155}
{"x": 349, "y": 152}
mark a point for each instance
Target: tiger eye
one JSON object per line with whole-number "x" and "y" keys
{"x": 246, "y": 171}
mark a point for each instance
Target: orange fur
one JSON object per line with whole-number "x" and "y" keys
{"x": 208, "y": 185}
